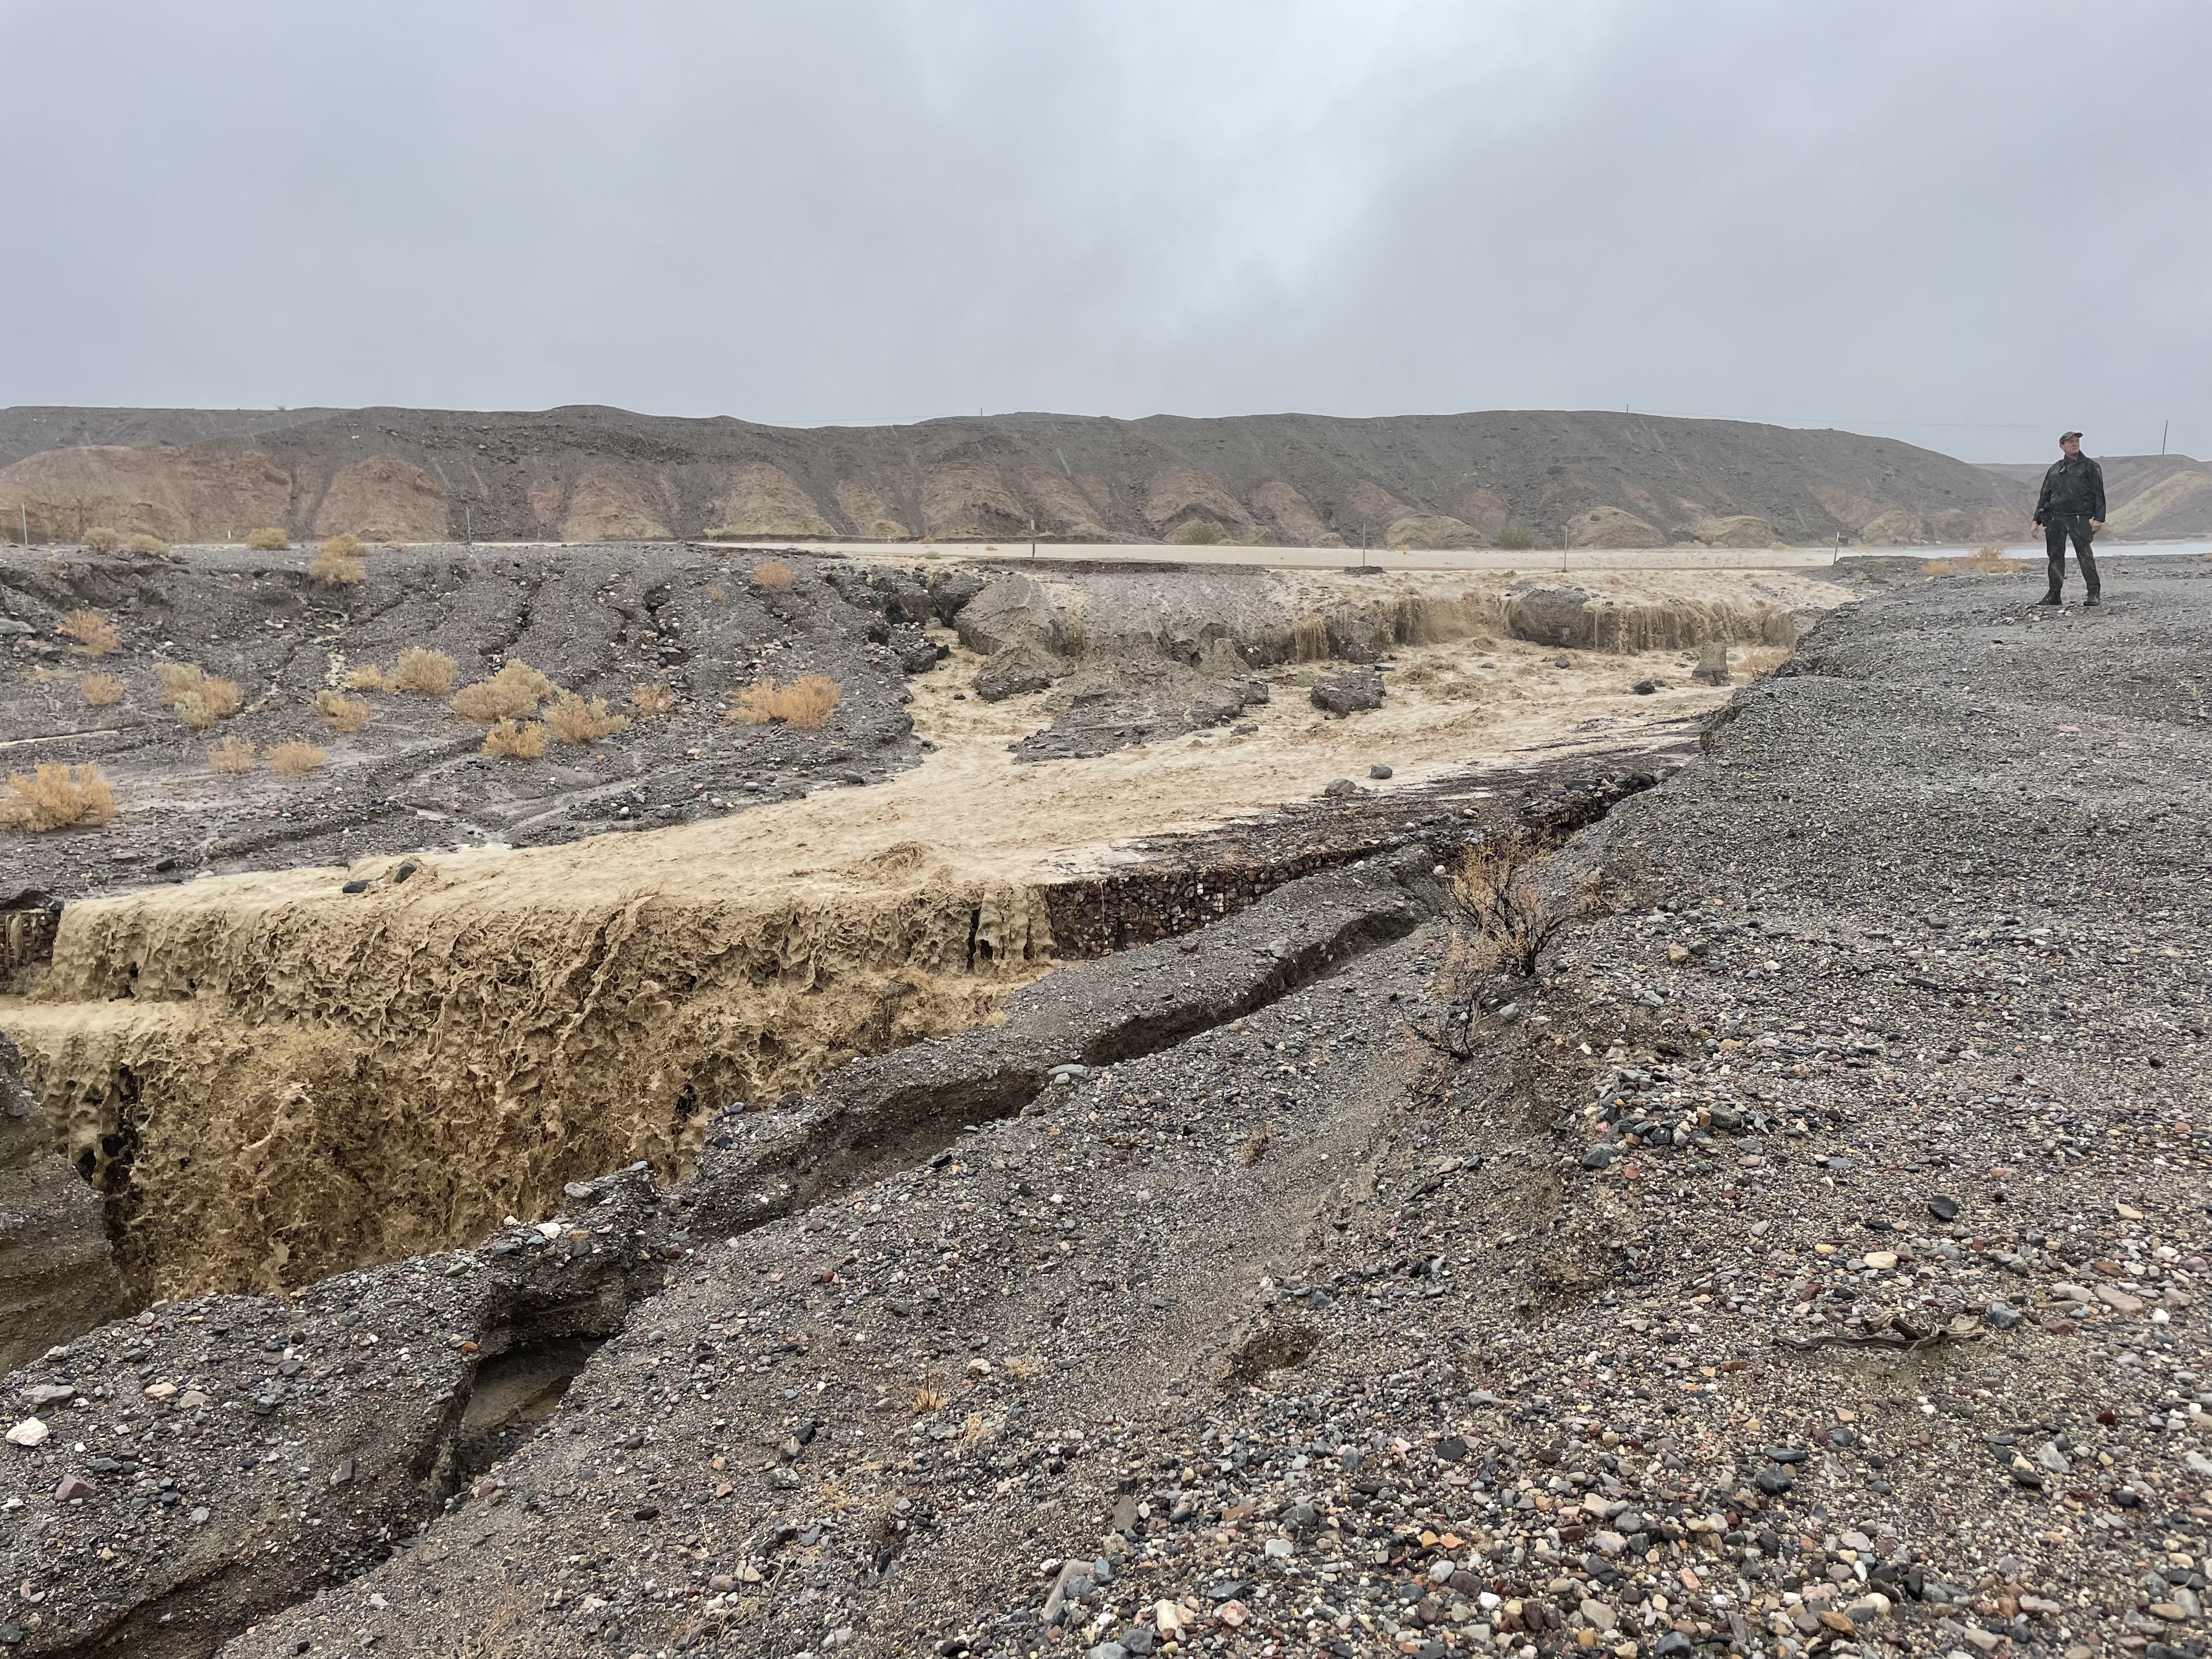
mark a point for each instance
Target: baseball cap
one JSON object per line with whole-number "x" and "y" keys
{"x": 2069, "y": 437}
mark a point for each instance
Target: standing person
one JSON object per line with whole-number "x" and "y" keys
{"x": 2072, "y": 504}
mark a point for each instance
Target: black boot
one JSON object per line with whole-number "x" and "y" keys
{"x": 2093, "y": 598}
{"x": 2051, "y": 597}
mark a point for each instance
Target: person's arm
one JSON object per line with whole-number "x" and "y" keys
{"x": 2042, "y": 499}
{"x": 2097, "y": 484}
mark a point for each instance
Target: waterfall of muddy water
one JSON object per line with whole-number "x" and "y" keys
{"x": 272, "y": 1080}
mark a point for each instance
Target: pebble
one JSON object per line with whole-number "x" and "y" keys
{"x": 28, "y": 1432}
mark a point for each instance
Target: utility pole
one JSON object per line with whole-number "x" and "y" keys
{"x": 25, "y": 510}
{"x": 2164, "y": 427}
{"x": 468, "y": 525}
{"x": 1032, "y": 538}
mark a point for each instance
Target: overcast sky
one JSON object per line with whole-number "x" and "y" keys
{"x": 1967, "y": 224}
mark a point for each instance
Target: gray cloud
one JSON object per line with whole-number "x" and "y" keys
{"x": 1967, "y": 225}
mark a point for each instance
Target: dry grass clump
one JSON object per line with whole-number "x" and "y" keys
{"x": 200, "y": 698}
{"x": 337, "y": 569}
{"x": 152, "y": 546}
{"x": 231, "y": 755}
{"x": 295, "y": 759}
{"x": 1023, "y": 1366}
{"x": 516, "y": 740}
{"x": 928, "y": 1400}
{"x": 1256, "y": 1143}
{"x": 395, "y": 546}
{"x": 100, "y": 539}
{"x": 345, "y": 545}
{"x": 573, "y": 720}
{"x": 773, "y": 575}
{"x": 56, "y": 797}
{"x": 419, "y": 670}
{"x": 513, "y": 693}
{"x": 94, "y": 634}
{"x": 268, "y": 540}
{"x": 651, "y": 700}
{"x": 807, "y": 702}
{"x": 344, "y": 712}
{"x": 100, "y": 689}
{"x": 1198, "y": 532}
{"x": 368, "y": 678}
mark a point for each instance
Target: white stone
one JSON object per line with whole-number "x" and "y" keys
{"x": 28, "y": 1432}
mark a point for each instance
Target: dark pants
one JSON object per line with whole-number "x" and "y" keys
{"x": 2055, "y": 530}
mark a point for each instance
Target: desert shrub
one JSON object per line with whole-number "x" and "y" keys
{"x": 514, "y": 693}
{"x": 344, "y": 712}
{"x": 268, "y": 540}
{"x": 295, "y": 759}
{"x": 517, "y": 739}
{"x": 94, "y": 634}
{"x": 100, "y": 689}
{"x": 100, "y": 539}
{"x": 152, "y": 546}
{"x": 1504, "y": 919}
{"x": 369, "y": 677}
{"x": 1198, "y": 532}
{"x": 571, "y": 720}
{"x": 773, "y": 575}
{"x": 651, "y": 700}
{"x": 395, "y": 546}
{"x": 337, "y": 569}
{"x": 346, "y": 545}
{"x": 806, "y": 702}
{"x": 206, "y": 699}
{"x": 56, "y": 797}
{"x": 231, "y": 755}
{"x": 177, "y": 678}
{"x": 1515, "y": 538}
{"x": 418, "y": 670}
{"x": 718, "y": 594}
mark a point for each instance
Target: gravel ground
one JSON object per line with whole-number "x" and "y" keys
{"x": 1810, "y": 1257}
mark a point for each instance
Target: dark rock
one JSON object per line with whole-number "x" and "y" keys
{"x": 1644, "y": 688}
{"x": 1348, "y": 693}
{"x": 1340, "y": 789}
{"x": 1378, "y": 771}
{"x": 1943, "y": 1208}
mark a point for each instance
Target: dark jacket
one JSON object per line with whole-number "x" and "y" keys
{"x": 2072, "y": 488}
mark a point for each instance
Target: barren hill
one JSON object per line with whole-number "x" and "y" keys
{"x": 2151, "y": 497}
{"x": 589, "y": 473}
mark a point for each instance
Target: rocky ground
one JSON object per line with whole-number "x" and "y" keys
{"x": 1809, "y": 1256}
{"x": 597, "y": 622}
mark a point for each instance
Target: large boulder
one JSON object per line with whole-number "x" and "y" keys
{"x": 1348, "y": 693}
{"x": 1611, "y": 526}
{"x": 1019, "y": 669}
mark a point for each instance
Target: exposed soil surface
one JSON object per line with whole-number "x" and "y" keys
{"x": 592, "y": 474}
{"x": 1809, "y": 1254}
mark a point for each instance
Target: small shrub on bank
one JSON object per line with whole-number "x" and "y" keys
{"x": 100, "y": 539}
{"x": 651, "y": 700}
{"x": 367, "y": 678}
{"x": 773, "y": 576}
{"x": 513, "y": 693}
{"x": 345, "y": 546}
{"x": 807, "y": 703}
{"x": 395, "y": 547}
{"x": 337, "y": 569}
{"x": 100, "y": 690}
{"x": 203, "y": 698}
{"x": 295, "y": 759}
{"x": 268, "y": 540}
{"x": 418, "y": 670}
{"x": 1515, "y": 539}
{"x": 230, "y": 755}
{"x": 94, "y": 634}
{"x": 1199, "y": 532}
{"x": 147, "y": 546}
{"x": 56, "y": 797}
{"x": 571, "y": 720}
{"x": 516, "y": 740}
{"x": 345, "y": 714}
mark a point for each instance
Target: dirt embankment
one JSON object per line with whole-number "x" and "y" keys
{"x": 591, "y": 474}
